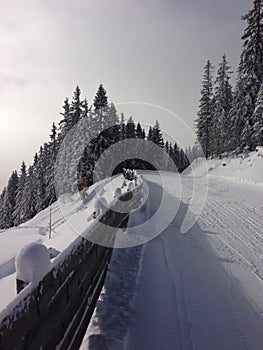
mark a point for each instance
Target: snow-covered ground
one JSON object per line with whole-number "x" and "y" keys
{"x": 247, "y": 169}
{"x": 198, "y": 290}
{"x": 201, "y": 289}
{"x": 70, "y": 217}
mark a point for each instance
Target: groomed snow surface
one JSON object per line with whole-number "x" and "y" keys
{"x": 198, "y": 290}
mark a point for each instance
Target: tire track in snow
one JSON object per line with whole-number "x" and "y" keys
{"x": 184, "y": 322}
{"x": 228, "y": 215}
{"x": 213, "y": 211}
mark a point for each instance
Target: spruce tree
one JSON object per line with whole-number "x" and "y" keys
{"x": 65, "y": 123}
{"x": 130, "y": 129}
{"x": 41, "y": 178}
{"x": 20, "y": 212}
{"x": 51, "y": 160}
{"x": 2, "y": 195}
{"x": 150, "y": 134}
{"x": 76, "y": 107}
{"x": 252, "y": 54}
{"x": 251, "y": 70}
{"x": 204, "y": 122}
{"x": 9, "y": 201}
{"x": 100, "y": 107}
{"x": 222, "y": 103}
{"x": 140, "y": 133}
{"x": 101, "y": 99}
{"x": 157, "y": 137}
{"x": 29, "y": 200}
{"x": 257, "y": 118}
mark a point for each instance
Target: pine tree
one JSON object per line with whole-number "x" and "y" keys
{"x": 2, "y": 216}
{"x": 157, "y": 137}
{"x": 10, "y": 200}
{"x": 41, "y": 178}
{"x": 29, "y": 200}
{"x": 150, "y": 134}
{"x": 140, "y": 133}
{"x": 239, "y": 105}
{"x": 20, "y": 212}
{"x": 113, "y": 125}
{"x": 52, "y": 151}
{"x": 130, "y": 129}
{"x": 184, "y": 162}
{"x": 101, "y": 99}
{"x": 257, "y": 118}
{"x": 222, "y": 103}
{"x": 176, "y": 156}
{"x": 252, "y": 54}
{"x": 204, "y": 116}
{"x": 100, "y": 107}
{"x": 65, "y": 124}
{"x": 251, "y": 69}
{"x": 76, "y": 107}
{"x": 85, "y": 109}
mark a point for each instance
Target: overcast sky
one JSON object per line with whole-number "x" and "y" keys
{"x": 143, "y": 51}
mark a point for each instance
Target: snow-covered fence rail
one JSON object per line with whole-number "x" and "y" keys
{"x": 55, "y": 313}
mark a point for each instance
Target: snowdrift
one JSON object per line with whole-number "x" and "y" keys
{"x": 247, "y": 169}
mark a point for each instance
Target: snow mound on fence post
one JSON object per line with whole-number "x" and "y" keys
{"x": 100, "y": 206}
{"x": 131, "y": 186}
{"x": 259, "y": 150}
{"x": 118, "y": 192}
{"x": 32, "y": 263}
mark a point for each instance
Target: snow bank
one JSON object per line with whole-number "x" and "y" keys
{"x": 32, "y": 263}
{"x": 243, "y": 168}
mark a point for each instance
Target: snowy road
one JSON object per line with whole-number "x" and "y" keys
{"x": 204, "y": 289}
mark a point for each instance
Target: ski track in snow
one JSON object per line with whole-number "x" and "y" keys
{"x": 203, "y": 290}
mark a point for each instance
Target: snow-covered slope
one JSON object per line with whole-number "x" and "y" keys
{"x": 247, "y": 169}
{"x": 198, "y": 290}
{"x": 70, "y": 216}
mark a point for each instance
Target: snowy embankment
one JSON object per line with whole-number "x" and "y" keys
{"x": 70, "y": 217}
{"x": 246, "y": 169}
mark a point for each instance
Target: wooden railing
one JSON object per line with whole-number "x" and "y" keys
{"x": 55, "y": 313}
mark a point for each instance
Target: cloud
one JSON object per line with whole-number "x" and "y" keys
{"x": 9, "y": 21}
{"x": 7, "y": 80}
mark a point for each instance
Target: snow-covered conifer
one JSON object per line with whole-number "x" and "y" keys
{"x": 204, "y": 122}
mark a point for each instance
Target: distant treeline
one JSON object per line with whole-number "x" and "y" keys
{"x": 34, "y": 188}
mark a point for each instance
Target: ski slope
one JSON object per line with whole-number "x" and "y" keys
{"x": 198, "y": 290}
